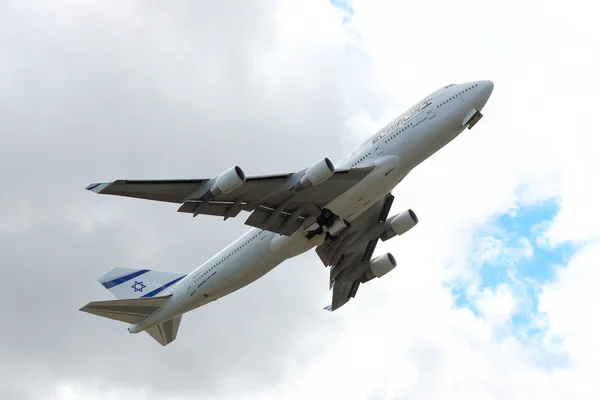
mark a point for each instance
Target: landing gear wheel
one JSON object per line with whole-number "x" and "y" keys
{"x": 327, "y": 218}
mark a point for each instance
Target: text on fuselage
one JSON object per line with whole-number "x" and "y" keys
{"x": 407, "y": 116}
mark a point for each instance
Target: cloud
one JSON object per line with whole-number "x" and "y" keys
{"x": 102, "y": 92}
{"x": 508, "y": 224}
{"x": 497, "y": 305}
{"x": 562, "y": 302}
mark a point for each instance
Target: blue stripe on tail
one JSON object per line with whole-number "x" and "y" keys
{"x": 125, "y": 278}
{"x": 163, "y": 287}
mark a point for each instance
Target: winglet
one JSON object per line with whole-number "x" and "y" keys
{"x": 97, "y": 187}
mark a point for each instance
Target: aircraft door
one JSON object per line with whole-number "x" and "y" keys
{"x": 191, "y": 289}
{"x": 377, "y": 145}
{"x": 431, "y": 113}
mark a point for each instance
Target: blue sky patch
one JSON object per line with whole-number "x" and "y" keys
{"x": 345, "y": 7}
{"x": 508, "y": 251}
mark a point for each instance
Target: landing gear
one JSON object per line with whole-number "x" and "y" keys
{"x": 330, "y": 237}
{"x": 315, "y": 232}
{"x": 327, "y": 222}
{"x": 327, "y": 218}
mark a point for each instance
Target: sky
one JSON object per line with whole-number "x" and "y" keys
{"x": 495, "y": 288}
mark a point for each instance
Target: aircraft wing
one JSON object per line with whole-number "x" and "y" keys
{"x": 350, "y": 254}
{"x": 278, "y": 203}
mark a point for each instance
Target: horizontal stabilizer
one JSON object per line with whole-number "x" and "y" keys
{"x": 131, "y": 311}
{"x": 166, "y": 332}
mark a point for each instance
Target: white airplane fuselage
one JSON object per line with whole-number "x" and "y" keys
{"x": 395, "y": 150}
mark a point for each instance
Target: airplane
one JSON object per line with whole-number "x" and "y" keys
{"x": 341, "y": 210}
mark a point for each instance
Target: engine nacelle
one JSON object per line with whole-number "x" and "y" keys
{"x": 228, "y": 181}
{"x": 399, "y": 224}
{"x": 318, "y": 173}
{"x": 382, "y": 265}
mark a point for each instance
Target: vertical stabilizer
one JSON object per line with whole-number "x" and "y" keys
{"x": 166, "y": 332}
{"x": 131, "y": 283}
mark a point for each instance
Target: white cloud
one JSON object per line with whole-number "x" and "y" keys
{"x": 93, "y": 392}
{"x": 496, "y": 305}
{"x": 568, "y": 304}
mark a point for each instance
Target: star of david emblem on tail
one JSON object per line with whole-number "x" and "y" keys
{"x": 138, "y": 286}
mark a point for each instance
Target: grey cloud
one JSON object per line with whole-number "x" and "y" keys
{"x": 56, "y": 270}
{"x": 144, "y": 90}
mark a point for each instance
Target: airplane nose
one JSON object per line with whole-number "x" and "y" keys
{"x": 487, "y": 88}
{"x": 485, "y": 91}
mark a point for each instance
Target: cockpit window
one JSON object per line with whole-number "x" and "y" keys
{"x": 446, "y": 87}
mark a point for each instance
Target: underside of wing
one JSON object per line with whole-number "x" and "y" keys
{"x": 343, "y": 291}
{"x": 349, "y": 254}
{"x": 278, "y": 203}
{"x": 360, "y": 239}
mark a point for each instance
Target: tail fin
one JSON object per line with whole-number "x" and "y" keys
{"x": 166, "y": 332}
{"x": 131, "y": 311}
{"x": 136, "y": 291}
{"x": 130, "y": 283}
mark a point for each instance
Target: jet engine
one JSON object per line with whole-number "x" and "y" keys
{"x": 382, "y": 265}
{"x": 317, "y": 173}
{"x": 399, "y": 224}
{"x": 228, "y": 181}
